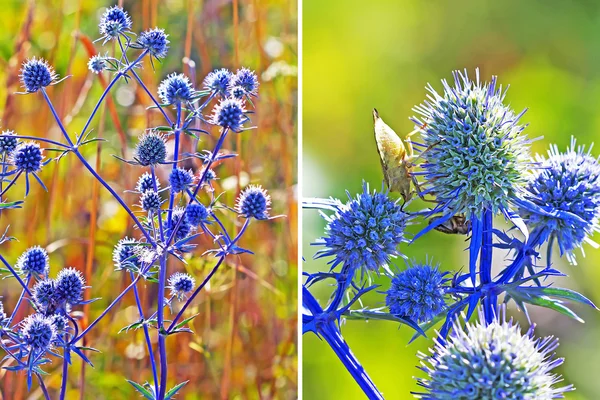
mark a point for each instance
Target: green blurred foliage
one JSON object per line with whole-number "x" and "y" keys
{"x": 245, "y": 335}
{"x": 359, "y": 55}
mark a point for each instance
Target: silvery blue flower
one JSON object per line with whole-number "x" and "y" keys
{"x": 125, "y": 254}
{"x": 184, "y": 229}
{"x": 247, "y": 80}
{"x": 44, "y": 293}
{"x": 150, "y": 201}
{"x": 97, "y": 63}
{"x": 176, "y": 88}
{"x": 69, "y": 286}
{"x": 38, "y": 332}
{"x": 8, "y": 142}
{"x": 254, "y": 202}
{"x": 146, "y": 182}
{"x": 181, "y": 284}
{"x": 229, "y": 114}
{"x": 36, "y": 73}
{"x": 34, "y": 261}
{"x": 27, "y": 157}
{"x": 219, "y": 81}
{"x": 151, "y": 149}
{"x": 114, "y": 22}
{"x": 196, "y": 213}
{"x": 155, "y": 41}
{"x": 180, "y": 179}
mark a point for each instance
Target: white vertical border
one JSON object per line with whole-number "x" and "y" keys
{"x": 300, "y": 194}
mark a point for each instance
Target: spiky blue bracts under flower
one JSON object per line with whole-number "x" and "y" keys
{"x": 254, "y": 202}
{"x": 114, "y": 22}
{"x": 417, "y": 293}
{"x": 181, "y": 284}
{"x": 219, "y": 81}
{"x": 146, "y": 182}
{"x": 566, "y": 186}
{"x": 247, "y": 80}
{"x": 151, "y": 149}
{"x": 155, "y": 41}
{"x": 69, "y": 286}
{"x": 97, "y": 63}
{"x": 365, "y": 232}
{"x": 27, "y": 157}
{"x": 36, "y": 73}
{"x": 180, "y": 179}
{"x": 476, "y": 155}
{"x": 125, "y": 254}
{"x": 38, "y": 332}
{"x": 492, "y": 361}
{"x": 176, "y": 88}
{"x": 8, "y": 142}
{"x": 34, "y": 261}
{"x": 229, "y": 114}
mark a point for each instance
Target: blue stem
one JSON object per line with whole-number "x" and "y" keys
{"x": 12, "y": 316}
{"x": 175, "y": 159}
{"x": 162, "y": 335}
{"x": 522, "y": 256}
{"x": 485, "y": 265}
{"x": 156, "y": 103}
{"x": 65, "y": 373}
{"x": 12, "y": 271}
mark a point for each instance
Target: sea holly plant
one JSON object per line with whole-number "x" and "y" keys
{"x": 168, "y": 217}
{"x": 474, "y": 169}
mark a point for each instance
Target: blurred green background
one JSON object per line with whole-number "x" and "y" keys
{"x": 244, "y": 345}
{"x": 358, "y": 55}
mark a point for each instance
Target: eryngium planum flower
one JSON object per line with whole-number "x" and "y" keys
{"x": 176, "y": 88}
{"x": 8, "y": 142}
{"x": 151, "y": 149}
{"x": 254, "y": 202}
{"x": 97, "y": 64}
{"x": 44, "y": 293}
{"x": 219, "y": 81}
{"x": 494, "y": 361}
{"x": 184, "y": 229}
{"x": 365, "y": 232}
{"x": 476, "y": 155}
{"x": 181, "y": 284}
{"x": 114, "y": 22}
{"x": 69, "y": 286}
{"x": 229, "y": 114}
{"x": 27, "y": 157}
{"x": 417, "y": 293}
{"x": 196, "y": 213}
{"x": 570, "y": 182}
{"x": 247, "y": 80}
{"x": 150, "y": 201}
{"x": 125, "y": 254}
{"x": 155, "y": 41}
{"x": 146, "y": 182}
{"x": 38, "y": 332}
{"x": 36, "y": 74}
{"x": 33, "y": 261}
{"x": 180, "y": 179}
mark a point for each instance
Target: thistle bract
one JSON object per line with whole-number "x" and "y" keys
{"x": 565, "y": 182}
{"x": 254, "y": 202}
{"x": 155, "y": 41}
{"x": 27, "y": 157}
{"x": 476, "y": 155}
{"x": 151, "y": 149}
{"x": 494, "y": 361}
{"x": 8, "y": 142}
{"x": 176, "y": 88}
{"x": 38, "y": 332}
{"x": 219, "y": 81}
{"x": 36, "y": 74}
{"x": 69, "y": 286}
{"x": 34, "y": 261}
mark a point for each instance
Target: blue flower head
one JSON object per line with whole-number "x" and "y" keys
{"x": 417, "y": 293}
{"x": 125, "y": 254}
{"x": 247, "y": 80}
{"x": 34, "y": 261}
{"x": 476, "y": 155}
{"x": 254, "y": 202}
{"x": 114, "y": 22}
{"x": 492, "y": 361}
{"x": 238, "y": 92}
{"x": 196, "y": 213}
{"x": 365, "y": 232}
{"x": 69, "y": 286}
{"x": 176, "y": 88}
{"x": 181, "y": 284}
{"x": 151, "y": 149}
{"x": 184, "y": 229}
{"x": 97, "y": 63}
{"x": 36, "y": 74}
{"x": 155, "y": 41}
{"x": 60, "y": 322}
{"x": 229, "y": 114}
{"x": 219, "y": 81}
{"x": 44, "y": 293}
{"x": 150, "y": 201}
{"x": 27, "y": 157}
{"x": 38, "y": 332}
{"x": 565, "y": 182}
{"x": 180, "y": 179}
{"x": 8, "y": 142}
{"x": 146, "y": 182}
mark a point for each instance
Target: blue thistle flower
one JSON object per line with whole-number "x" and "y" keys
{"x": 38, "y": 332}
{"x": 181, "y": 284}
{"x": 114, "y": 22}
{"x": 125, "y": 254}
{"x": 417, "y": 293}
{"x": 60, "y": 323}
{"x": 146, "y": 182}
{"x": 97, "y": 64}
{"x": 8, "y": 142}
{"x": 476, "y": 155}
{"x": 34, "y": 261}
{"x": 219, "y": 81}
{"x": 150, "y": 201}
{"x": 36, "y": 73}
{"x": 69, "y": 286}
{"x": 365, "y": 232}
{"x": 565, "y": 182}
{"x": 229, "y": 114}
{"x": 254, "y": 202}
{"x": 492, "y": 361}
{"x": 27, "y": 157}
{"x": 151, "y": 149}
{"x": 247, "y": 80}
{"x": 155, "y": 41}
{"x": 180, "y": 179}
{"x": 44, "y": 293}
{"x": 184, "y": 229}
{"x": 176, "y": 88}
{"x": 196, "y": 213}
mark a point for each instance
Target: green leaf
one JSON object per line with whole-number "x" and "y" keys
{"x": 562, "y": 294}
{"x": 145, "y": 392}
{"x": 173, "y": 391}
{"x": 185, "y": 321}
{"x": 12, "y": 204}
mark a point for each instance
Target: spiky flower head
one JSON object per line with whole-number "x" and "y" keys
{"x": 176, "y": 88}
{"x": 125, "y": 254}
{"x": 219, "y": 81}
{"x": 36, "y": 73}
{"x": 210, "y": 175}
{"x": 566, "y": 186}
{"x": 494, "y": 361}
{"x": 8, "y": 142}
{"x": 181, "y": 284}
{"x": 238, "y": 92}
{"x": 247, "y": 80}
{"x": 27, "y": 157}
{"x": 155, "y": 41}
{"x": 229, "y": 114}
{"x": 196, "y": 213}
{"x": 44, "y": 293}
{"x": 38, "y": 332}
{"x": 365, "y": 232}
{"x": 69, "y": 286}
{"x": 150, "y": 201}
{"x": 254, "y": 202}
{"x": 33, "y": 261}
{"x": 60, "y": 322}
{"x": 114, "y": 22}
{"x": 476, "y": 155}
{"x": 180, "y": 179}
{"x": 146, "y": 182}
{"x": 97, "y": 63}
{"x": 184, "y": 229}
{"x": 417, "y": 292}
{"x": 151, "y": 149}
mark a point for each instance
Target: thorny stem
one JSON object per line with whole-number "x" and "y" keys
{"x": 162, "y": 336}
{"x": 65, "y": 373}
{"x": 43, "y": 387}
